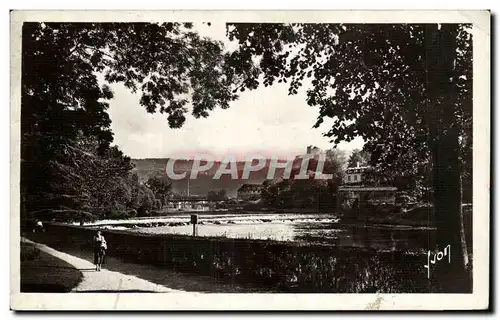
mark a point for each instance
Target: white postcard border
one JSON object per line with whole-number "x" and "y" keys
{"x": 479, "y": 299}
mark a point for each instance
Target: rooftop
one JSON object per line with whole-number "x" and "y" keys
{"x": 249, "y": 187}
{"x": 366, "y": 189}
{"x": 357, "y": 168}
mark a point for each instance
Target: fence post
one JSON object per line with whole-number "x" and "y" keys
{"x": 194, "y": 221}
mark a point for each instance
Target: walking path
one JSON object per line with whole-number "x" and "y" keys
{"x": 105, "y": 280}
{"x": 118, "y": 275}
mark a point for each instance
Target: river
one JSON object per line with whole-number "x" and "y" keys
{"x": 312, "y": 228}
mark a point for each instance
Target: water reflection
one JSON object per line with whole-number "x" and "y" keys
{"x": 380, "y": 237}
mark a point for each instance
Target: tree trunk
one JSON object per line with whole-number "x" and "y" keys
{"x": 452, "y": 277}
{"x": 444, "y": 143}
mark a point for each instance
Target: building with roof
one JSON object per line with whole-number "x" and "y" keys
{"x": 249, "y": 191}
{"x": 191, "y": 203}
{"x": 313, "y": 150}
{"x": 355, "y": 187}
{"x": 354, "y": 175}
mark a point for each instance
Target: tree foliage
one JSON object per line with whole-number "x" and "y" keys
{"x": 63, "y": 99}
{"x": 217, "y": 195}
{"x": 370, "y": 79}
{"x": 92, "y": 185}
{"x": 310, "y": 192}
{"x": 359, "y": 157}
{"x": 161, "y": 188}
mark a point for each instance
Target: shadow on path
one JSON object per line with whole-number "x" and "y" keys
{"x": 115, "y": 291}
{"x": 44, "y": 272}
{"x": 159, "y": 275}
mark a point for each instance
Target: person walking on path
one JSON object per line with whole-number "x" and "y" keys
{"x": 100, "y": 247}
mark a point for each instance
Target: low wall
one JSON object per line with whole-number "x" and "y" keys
{"x": 282, "y": 266}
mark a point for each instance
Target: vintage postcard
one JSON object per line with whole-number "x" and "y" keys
{"x": 250, "y": 160}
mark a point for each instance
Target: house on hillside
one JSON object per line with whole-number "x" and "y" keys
{"x": 249, "y": 191}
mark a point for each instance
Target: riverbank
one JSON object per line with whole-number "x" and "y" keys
{"x": 273, "y": 265}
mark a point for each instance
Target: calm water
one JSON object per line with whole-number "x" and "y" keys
{"x": 287, "y": 227}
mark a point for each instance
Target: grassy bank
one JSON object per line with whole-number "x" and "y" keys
{"x": 42, "y": 272}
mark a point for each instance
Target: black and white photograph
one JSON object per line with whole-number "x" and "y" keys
{"x": 270, "y": 155}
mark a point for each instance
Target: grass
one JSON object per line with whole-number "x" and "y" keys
{"x": 29, "y": 252}
{"x": 42, "y": 272}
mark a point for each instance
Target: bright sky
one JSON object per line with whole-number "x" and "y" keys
{"x": 266, "y": 120}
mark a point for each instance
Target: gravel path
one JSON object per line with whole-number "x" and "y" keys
{"x": 105, "y": 280}
{"x": 120, "y": 275}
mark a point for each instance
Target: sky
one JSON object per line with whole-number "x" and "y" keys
{"x": 266, "y": 121}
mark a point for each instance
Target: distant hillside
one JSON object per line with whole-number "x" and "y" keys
{"x": 147, "y": 168}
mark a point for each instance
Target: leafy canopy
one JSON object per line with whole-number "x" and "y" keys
{"x": 372, "y": 80}
{"x": 64, "y": 101}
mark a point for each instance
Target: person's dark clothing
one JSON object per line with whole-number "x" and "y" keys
{"x": 99, "y": 244}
